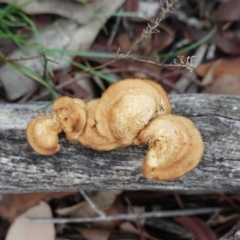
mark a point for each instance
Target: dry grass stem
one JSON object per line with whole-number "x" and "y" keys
{"x": 132, "y": 216}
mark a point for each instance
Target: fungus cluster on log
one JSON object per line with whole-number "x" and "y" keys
{"x": 131, "y": 111}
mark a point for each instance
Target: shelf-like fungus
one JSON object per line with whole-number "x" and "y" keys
{"x": 127, "y": 106}
{"x": 131, "y": 111}
{"x": 175, "y": 147}
{"x": 72, "y": 116}
{"x": 90, "y": 137}
{"x": 42, "y": 135}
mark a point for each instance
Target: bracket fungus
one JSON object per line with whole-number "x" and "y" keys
{"x": 90, "y": 137}
{"x": 175, "y": 147}
{"x": 127, "y": 106}
{"x": 42, "y": 135}
{"x": 72, "y": 116}
{"x": 131, "y": 111}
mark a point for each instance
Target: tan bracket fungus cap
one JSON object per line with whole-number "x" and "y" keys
{"x": 42, "y": 135}
{"x": 175, "y": 147}
{"x": 127, "y": 106}
{"x": 90, "y": 137}
{"x": 72, "y": 116}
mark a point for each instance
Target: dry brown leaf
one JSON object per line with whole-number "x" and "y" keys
{"x": 78, "y": 210}
{"x": 124, "y": 42}
{"x": 131, "y": 6}
{"x": 225, "y": 66}
{"x": 21, "y": 229}
{"x": 209, "y": 78}
{"x": 224, "y": 84}
{"x": 228, "y": 42}
{"x": 127, "y": 227}
{"x": 196, "y": 226}
{"x": 74, "y": 10}
{"x": 228, "y": 11}
{"x": 14, "y": 204}
{"x": 95, "y": 234}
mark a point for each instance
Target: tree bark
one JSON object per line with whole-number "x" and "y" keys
{"x": 76, "y": 167}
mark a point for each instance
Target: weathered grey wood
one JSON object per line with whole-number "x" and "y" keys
{"x": 74, "y": 167}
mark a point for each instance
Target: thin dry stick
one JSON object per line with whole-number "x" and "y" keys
{"x": 178, "y": 200}
{"x": 149, "y": 30}
{"x": 28, "y": 58}
{"x": 137, "y": 222}
{"x": 189, "y": 64}
{"x": 92, "y": 205}
{"x": 146, "y": 33}
{"x": 133, "y": 216}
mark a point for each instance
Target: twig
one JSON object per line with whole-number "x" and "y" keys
{"x": 189, "y": 64}
{"x": 160, "y": 214}
{"x": 146, "y": 33}
{"x": 137, "y": 221}
{"x": 149, "y": 30}
{"x": 92, "y": 205}
{"x": 178, "y": 200}
{"x": 28, "y": 58}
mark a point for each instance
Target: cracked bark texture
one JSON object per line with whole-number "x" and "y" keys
{"x": 76, "y": 167}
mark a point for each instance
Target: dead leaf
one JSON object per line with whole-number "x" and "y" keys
{"x": 21, "y": 229}
{"x": 161, "y": 41}
{"x": 228, "y": 11}
{"x": 14, "y": 204}
{"x": 209, "y": 76}
{"x": 70, "y": 84}
{"x": 94, "y": 234}
{"x": 78, "y": 210}
{"x": 124, "y": 42}
{"x": 224, "y": 84}
{"x": 131, "y": 6}
{"x": 228, "y": 42}
{"x": 196, "y": 226}
{"x": 225, "y": 66}
{"x": 73, "y": 10}
{"x": 127, "y": 227}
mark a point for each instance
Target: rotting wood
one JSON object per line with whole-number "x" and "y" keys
{"x": 76, "y": 167}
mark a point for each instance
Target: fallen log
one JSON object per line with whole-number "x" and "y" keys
{"x": 77, "y": 167}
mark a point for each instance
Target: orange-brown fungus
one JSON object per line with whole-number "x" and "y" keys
{"x": 175, "y": 147}
{"x": 42, "y": 135}
{"x": 91, "y": 138}
{"x": 131, "y": 111}
{"x": 72, "y": 116}
{"x": 126, "y": 107}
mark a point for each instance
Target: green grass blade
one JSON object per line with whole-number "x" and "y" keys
{"x": 190, "y": 47}
{"x": 34, "y": 28}
{"x": 58, "y": 52}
